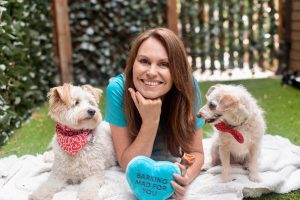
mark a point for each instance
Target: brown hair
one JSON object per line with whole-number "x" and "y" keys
{"x": 177, "y": 121}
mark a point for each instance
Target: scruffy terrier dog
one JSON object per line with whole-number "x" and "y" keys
{"x": 82, "y": 145}
{"x": 239, "y": 126}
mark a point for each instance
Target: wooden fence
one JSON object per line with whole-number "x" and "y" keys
{"x": 218, "y": 34}
{"x": 230, "y": 34}
{"x": 295, "y": 36}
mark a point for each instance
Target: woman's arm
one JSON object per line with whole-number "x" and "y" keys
{"x": 193, "y": 171}
{"x": 196, "y": 150}
{"x": 126, "y": 146}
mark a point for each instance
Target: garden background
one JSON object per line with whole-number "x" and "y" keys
{"x": 224, "y": 39}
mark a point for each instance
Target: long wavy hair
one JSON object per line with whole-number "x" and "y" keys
{"x": 177, "y": 121}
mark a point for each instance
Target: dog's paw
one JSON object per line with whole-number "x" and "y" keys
{"x": 206, "y": 166}
{"x": 33, "y": 197}
{"x": 254, "y": 177}
{"x": 87, "y": 196}
{"x": 48, "y": 157}
{"x": 39, "y": 196}
{"x": 226, "y": 178}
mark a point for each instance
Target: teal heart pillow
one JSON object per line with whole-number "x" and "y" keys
{"x": 149, "y": 179}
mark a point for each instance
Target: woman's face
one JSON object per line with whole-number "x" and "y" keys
{"x": 151, "y": 73}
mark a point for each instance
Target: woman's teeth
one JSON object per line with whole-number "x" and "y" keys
{"x": 151, "y": 83}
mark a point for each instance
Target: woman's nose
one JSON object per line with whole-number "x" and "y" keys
{"x": 152, "y": 71}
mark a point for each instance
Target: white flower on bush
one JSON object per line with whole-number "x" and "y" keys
{"x": 17, "y": 100}
{"x": 2, "y": 67}
{"x": 1, "y": 10}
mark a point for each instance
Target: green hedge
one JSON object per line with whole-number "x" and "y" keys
{"x": 26, "y": 61}
{"x": 102, "y": 33}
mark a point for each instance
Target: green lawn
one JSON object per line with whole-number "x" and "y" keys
{"x": 281, "y": 105}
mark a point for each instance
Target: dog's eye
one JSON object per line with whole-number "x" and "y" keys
{"x": 212, "y": 105}
{"x": 77, "y": 102}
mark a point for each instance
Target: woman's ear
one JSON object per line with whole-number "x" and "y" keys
{"x": 96, "y": 92}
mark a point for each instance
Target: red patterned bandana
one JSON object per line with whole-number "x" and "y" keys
{"x": 225, "y": 128}
{"x": 72, "y": 140}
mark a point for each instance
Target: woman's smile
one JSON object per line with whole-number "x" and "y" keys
{"x": 151, "y": 83}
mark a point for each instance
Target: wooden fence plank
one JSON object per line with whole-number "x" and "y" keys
{"x": 296, "y": 26}
{"x": 63, "y": 40}
{"x": 296, "y": 46}
{"x": 296, "y": 16}
{"x": 295, "y": 55}
{"x": 296, "y": 5}
{"x": 295, "y": 64}
{"x": 295, "y": 36}
{"x": 172, "y": 16}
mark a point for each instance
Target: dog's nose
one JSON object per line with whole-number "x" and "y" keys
{"x": 199, "y": 115}
{"x": 91, "y": 112}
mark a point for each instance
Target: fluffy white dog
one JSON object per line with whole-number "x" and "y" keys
{"x": 239, "y": 126}
{"x": 82, "y": 146}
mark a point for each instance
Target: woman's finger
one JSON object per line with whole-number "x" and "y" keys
{"x": 182, "y": 168}
{"x": 140, "y": 98}
{"x": 176, "y": 196}
{"x": 180, "y": 179}
{"x": 133, "y": 96}
{"x": 179, "y": 189}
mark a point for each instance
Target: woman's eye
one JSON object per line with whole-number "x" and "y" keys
{"x": 164, "y": 64}
{"x": 144, "y": 61}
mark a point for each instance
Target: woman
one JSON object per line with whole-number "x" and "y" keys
{"x": 151, "y": 107}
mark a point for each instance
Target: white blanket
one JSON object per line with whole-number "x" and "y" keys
{"x": 279, "y": 170}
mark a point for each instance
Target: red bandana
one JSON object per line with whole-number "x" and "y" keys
{"x": 225, "y": 128}
{"x": 72, "y": 140}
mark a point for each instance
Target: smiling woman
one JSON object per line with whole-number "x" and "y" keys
{"x": 151, "y": 73}
{"x": 151, "y": 108}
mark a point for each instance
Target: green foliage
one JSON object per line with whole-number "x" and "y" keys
{"x": 26, "y": 67}
{"x": 102, "y": 32}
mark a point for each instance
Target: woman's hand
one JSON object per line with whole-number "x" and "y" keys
{"x": 182, "y": 183}
{"x": 149, "y": 109}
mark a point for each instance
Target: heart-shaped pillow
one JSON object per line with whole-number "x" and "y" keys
{"x": 150, "y": 180}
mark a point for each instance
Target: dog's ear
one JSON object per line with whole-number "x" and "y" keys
{"x": 227, "y": 101}
{"x": 212, "y": 88}
{"x": 94, "y": 91}
{"x": 60, "y": 93}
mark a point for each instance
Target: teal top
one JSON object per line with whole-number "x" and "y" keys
{"x": 115, "y": 113}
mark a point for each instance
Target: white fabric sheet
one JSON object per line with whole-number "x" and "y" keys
{"x": 279, "y": 170}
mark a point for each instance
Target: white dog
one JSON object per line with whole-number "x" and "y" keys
{"x": 239, "y": 125}
{"x": 82, "y": 145}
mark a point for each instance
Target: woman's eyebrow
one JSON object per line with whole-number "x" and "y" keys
{"x": 142, "y": 56}
{"x": 160, "y": 60}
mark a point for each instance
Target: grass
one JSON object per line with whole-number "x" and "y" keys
{"x": 281, "y": 105}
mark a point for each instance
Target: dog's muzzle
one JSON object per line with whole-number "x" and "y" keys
{"x": 212, "y": 120}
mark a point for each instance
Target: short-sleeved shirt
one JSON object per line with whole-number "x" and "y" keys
{"x": 115, "y": 113}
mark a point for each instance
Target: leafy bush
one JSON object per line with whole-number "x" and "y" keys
{"x": 26, "y": 61}
{"x": 102, "y": 33}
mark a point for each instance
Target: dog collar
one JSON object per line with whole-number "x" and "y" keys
{"x": 73, "y": 140}
{"x": 223, "y": 127}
